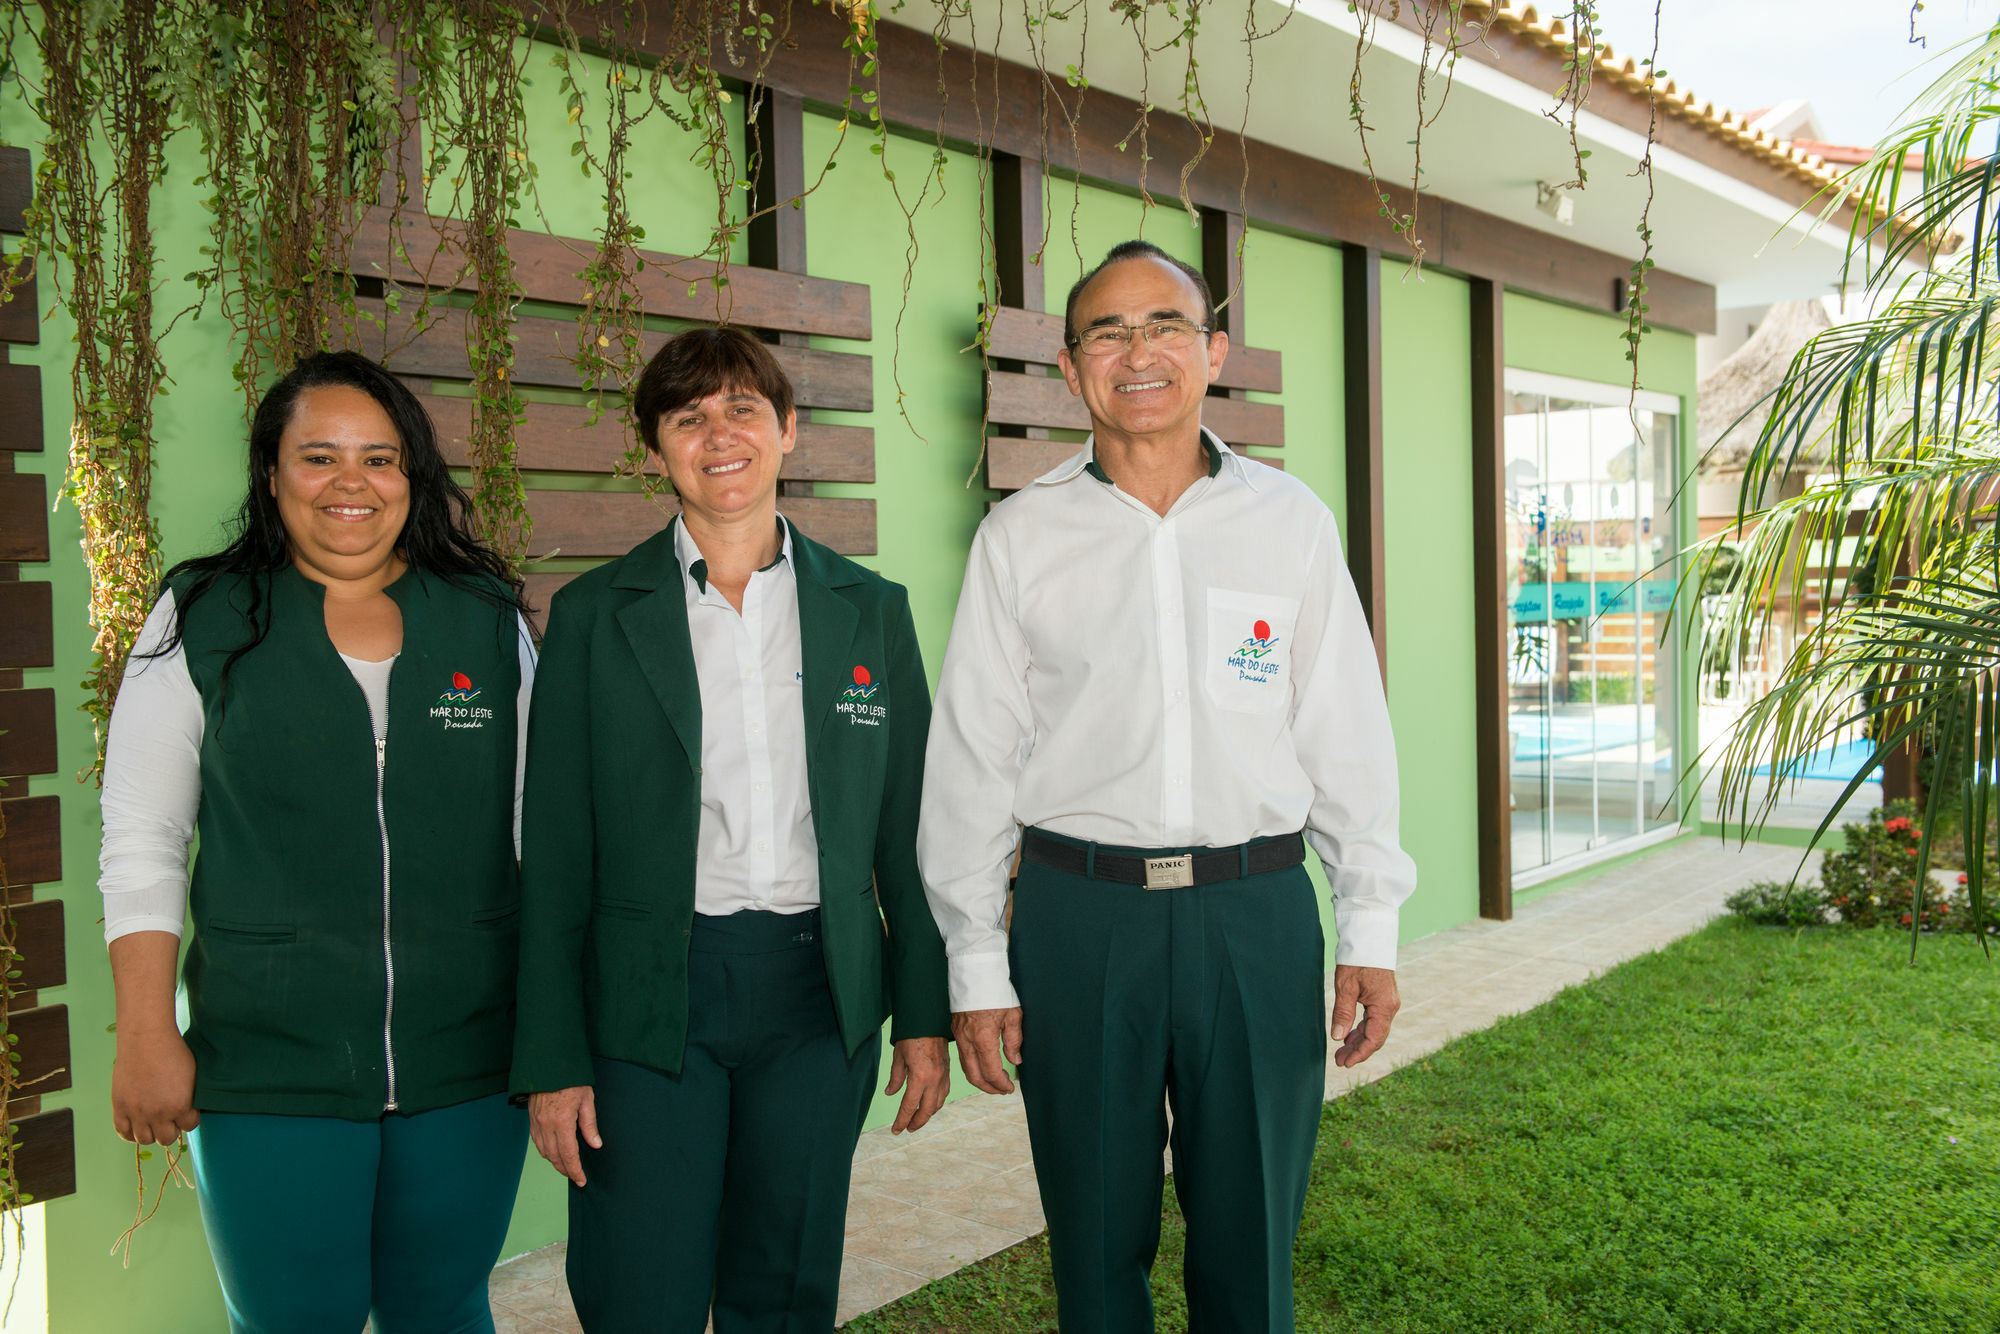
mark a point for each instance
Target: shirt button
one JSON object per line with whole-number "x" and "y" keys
{"x": 760, "y": 787}
{"x": 1180, "y": 694}
{"x": 762, "y": 845}
{"x": 1179, "y": 781}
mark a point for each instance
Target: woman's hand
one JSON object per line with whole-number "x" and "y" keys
{"x": 152, "y": 1087}
{"x": 152, "y": 1077}
{"x": 556, "y": 1119}
{"x": 922, "y": 1065}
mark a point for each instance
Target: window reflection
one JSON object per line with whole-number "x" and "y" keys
{"x": 1591, "y": 566}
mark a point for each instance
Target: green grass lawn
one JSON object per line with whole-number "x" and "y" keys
{"x": 1752, "y": 1130}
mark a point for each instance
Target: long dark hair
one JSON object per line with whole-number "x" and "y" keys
{"x": 437, "y": 537}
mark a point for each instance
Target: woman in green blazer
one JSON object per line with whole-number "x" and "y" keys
{"x": 720, "y": 901}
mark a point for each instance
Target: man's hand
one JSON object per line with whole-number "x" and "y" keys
{"x": 925, "y": 1067}
{"x": 556, "y": 1119}
{"x": 1374, "y": 989}
{"x": 982, "y": 1035}
{"x": 152, "y": 1087}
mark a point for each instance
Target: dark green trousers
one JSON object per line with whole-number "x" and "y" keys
{"x": 726, "y": 1184}
{"x": 1209, "y": 998}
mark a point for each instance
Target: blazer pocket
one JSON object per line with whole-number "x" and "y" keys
{"x": 253, "y": 933}
{"x": 621, "y": 908}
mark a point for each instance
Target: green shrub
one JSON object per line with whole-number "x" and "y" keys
{"x": 1778, "y": 903}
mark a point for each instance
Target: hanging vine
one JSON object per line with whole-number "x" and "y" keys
{"x": 491, "y": 133}
{"x": 1578, "y": 62}
{"x": 1636, "y": 327}
{"x": 293, "y": 103}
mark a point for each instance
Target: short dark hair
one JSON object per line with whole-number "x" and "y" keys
{"x": 690, "y": 366}
{"x": 1137, "y": 250}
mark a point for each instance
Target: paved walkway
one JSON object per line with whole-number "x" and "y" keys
{"x": 962, "y": 1188}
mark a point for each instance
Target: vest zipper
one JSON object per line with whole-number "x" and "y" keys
{"x": 388, "y": 951}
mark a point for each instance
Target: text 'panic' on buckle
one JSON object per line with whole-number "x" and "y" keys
{"x": 1170, "y": 872}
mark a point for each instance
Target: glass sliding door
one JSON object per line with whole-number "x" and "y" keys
{"x": 1592, "y": 689}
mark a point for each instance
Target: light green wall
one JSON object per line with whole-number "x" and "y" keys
{"x": 926, "y": 515}
{"x": 1427, "y": 536}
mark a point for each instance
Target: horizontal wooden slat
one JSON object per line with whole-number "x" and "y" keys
{"x": 547, "y": 268}
{"x": 611, "y": 523}
{"x": 1020, "y": 399}
{"x": 43, "y": 1049}
{"x": 841, "y": 381}
{"x": 1013, "y": 463}
{"x": 27, "y": 624}
{"x": 24, "y": 518}
{"x": 21, "y": 313}
{"x": 17, "y": 187}
{"x": 31, "y": 845}
{"x": 20, "y": 407}
{"x": 38, "y": 936}
{"x": 559, "y": 437}
{"x": 45, "y": 1155}
{"x": 1033, "y": 335}
{"x": 27, "y": 731}
{"x": 541, "y": 588}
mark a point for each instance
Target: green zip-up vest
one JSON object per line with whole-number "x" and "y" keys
{"x": 355, "y": 909}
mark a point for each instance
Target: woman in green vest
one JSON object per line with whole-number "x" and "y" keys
{"x": 720, "y": 899}
{"x": 333, "y": 703}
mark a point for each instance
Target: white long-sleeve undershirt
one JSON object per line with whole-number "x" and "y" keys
{"x": 152, "y": 775}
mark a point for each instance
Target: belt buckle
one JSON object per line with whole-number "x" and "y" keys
{"x": 1170, "y": 872}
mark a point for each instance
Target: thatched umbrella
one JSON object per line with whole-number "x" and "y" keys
{"x": 1743, "y": 384}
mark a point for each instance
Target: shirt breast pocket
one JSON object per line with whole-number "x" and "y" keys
{"x": 1249, "y": 650}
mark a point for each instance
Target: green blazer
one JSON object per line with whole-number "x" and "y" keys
{"x": 613, "y": 802}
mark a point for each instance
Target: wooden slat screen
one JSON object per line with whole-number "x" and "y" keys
{"x": 30, "y": 826}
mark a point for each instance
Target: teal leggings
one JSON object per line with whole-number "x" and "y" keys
{"x": 317, "y": 1223}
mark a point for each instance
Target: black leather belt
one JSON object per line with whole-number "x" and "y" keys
{"x": 1128, "y": 866}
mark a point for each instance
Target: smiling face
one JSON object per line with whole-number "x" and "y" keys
{"x": 1142, "y": 390}
{"x": 723, "y": 454}
{"x": 339, "y": 484}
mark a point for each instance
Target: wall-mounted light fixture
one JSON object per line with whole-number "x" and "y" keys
{"x": 1555, "y": 201}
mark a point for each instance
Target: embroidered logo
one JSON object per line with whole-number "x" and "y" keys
{"x": 455, "y": 707}
{"x": 1252, "y": 659}
{"x": 462, "y": 690}
{"x": 855, "y": 701}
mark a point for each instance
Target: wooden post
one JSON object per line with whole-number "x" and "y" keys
{"x": 1489, "y": 584}
{"x": 778, "y": 239}
{"x": 1361, "y": 366}
{"x": 1222, "y": 265}
{"x": 1017, "y": 240}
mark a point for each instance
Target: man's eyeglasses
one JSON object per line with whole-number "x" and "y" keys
{"x": 1103, "y": 340}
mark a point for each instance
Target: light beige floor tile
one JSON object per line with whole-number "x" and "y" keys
{"x": 867, "y": 1284}
{"x": 512, "y": 1322}
{"x": 548, "y": 1302}
{"x": 527, "y": 1270}
{"x": 1011, "y": 1202}
{"x": 867, "y": 1208}
{"x": 922, "y": 1175}
{"x": 929, "y": 1243}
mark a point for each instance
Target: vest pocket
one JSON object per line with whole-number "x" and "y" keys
{"x": 503, "y": 915}
{"x": 252, "y": 933}
{"x": 620, "y": 908}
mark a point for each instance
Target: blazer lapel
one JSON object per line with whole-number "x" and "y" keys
{"x": 656, "y": 626}
{"x": 827, "y": 622}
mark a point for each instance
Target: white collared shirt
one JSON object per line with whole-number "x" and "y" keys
{"x": 756, "y": 845}
{"x": 1194, "y": 680}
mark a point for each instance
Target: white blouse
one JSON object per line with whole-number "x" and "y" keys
{"x": 152, "y": 775}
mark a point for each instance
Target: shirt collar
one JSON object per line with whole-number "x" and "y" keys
{"x": 695, "y": 568}
{"x": 1219, "y": 457}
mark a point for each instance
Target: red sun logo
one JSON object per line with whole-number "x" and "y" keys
{"x": 460, "y": 681}
{"x": 861, "y": 677}
{"x": 1261, "y": 630}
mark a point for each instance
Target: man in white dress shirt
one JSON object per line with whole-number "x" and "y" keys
{"x": 1159, "y": 687}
